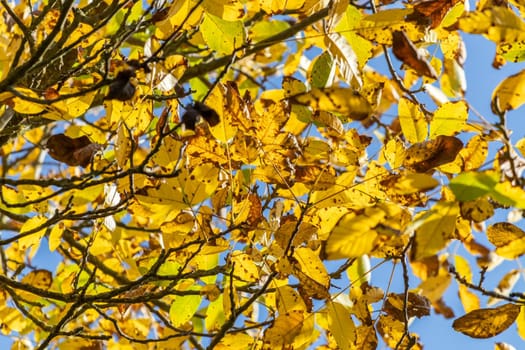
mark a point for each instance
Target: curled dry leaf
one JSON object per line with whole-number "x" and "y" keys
{"x": 432, "y": 11}
{"x": 72, "y": 151}
{"x": 486, "y": 323}
{"x": 407, "y": 53}
{"x": 423, "y": 156}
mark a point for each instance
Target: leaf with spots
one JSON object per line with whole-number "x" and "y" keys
{"x": 184, "y": 191}
{"x": 487, "y": 323}
{"x": 436, "y": 229}
{"x": 509, "y": 94}
{"x": 347, "y": 102}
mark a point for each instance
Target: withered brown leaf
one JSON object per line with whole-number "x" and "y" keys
{"x": 407, "y": 53}
{"x": 72, "y": 151}
{"x": 432, "y": 11}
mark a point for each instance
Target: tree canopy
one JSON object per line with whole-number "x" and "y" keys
{"x": 229, "y": 174}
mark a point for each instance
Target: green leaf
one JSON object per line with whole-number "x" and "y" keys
{"x": 322, "y": 71}
{"x": 222, "y": 36}
{"x": 183, "y": 308}
{"x": 471, "y": 185}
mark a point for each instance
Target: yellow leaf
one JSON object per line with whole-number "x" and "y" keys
{"x": 39, "y": 278}
{"x": 436, "y": 229}
{"x": 181, "y": 13}
{"x": 463, "y": 268}
{"x": 215, "y": 315}
{"x": 12, "y": 320}
{"x": 235, "y": 341}
{"x": 283, "y": 331}
{"x": 475, "y": 153}
{"x": 229, "y": 10}
{"x": 11, "y": 196}
{"x": 415, "y": 182}
{"x": 55, "y": 236}
{"x": 508, "y": 239}
{"x": 520, "y": 323}
{"x": 123, "y": 145}
{"x": 344, "y": 57}
{"x": 469, "y": 300}
{"x": 183, "y": 308}
{"x": 137, "y": 116}
{"x": 221, "y": 35}
{"x": 279, "y": 6}
{"x": 70, "y": 108}
{"x": 379, "y": 26}
{"x": 288, "y": 300}
{"x": 354, "y": 235}
{"x": 508, "y": 194}
{"x": 345, "y": 101}
{"x": 498, "y": 23}
{"x": 521, "y": 146}
{"x": 186, "y": 190}
{"x": 244, "y": 268}
{"x": 412, "y": 121}
{"x": 486, "y": 323}
{"x": 508, "y": 95}
{"x": 394, "y": 153}
{"x": 341, "y": 325}
{"x": 226, "y": 101}
{"x": 505, "y": 286}
{"x": 347, "y": 26}
{"x": 449, "y": 119}
{"x": 434, "y": 287}
{"x": 32, "y": 240}
{"x": 23, "y": 106}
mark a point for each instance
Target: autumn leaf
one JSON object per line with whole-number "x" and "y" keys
{"x": 72, "y": 151}
{"x": 487, "y": 323}
{"x": 406, "y": 52}
{"x": 424, "y": 156}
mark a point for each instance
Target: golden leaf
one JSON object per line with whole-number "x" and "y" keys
{"x": 341, "y": 325}
{"x": 436, "y": 229}
{"x": 412, "y": 120}
{"x": 486, "y": 323}
{"x": 345, "y": 101}
{"x": 41, "y": 279}
{"x": 449, "y": 119}
{"x": 508, "y": 95}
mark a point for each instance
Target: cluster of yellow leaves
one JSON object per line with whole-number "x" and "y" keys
{"x": 226, "y": 232}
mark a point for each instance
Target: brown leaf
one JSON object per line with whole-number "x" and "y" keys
{"x": 424, "y": 156}
{"x": 486, "y": 323}
{"x": 407, "y": 53}
{"x": 417, "y": 305}
{"x": 433, "y": 11}
{"x": 72, "y": 151}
